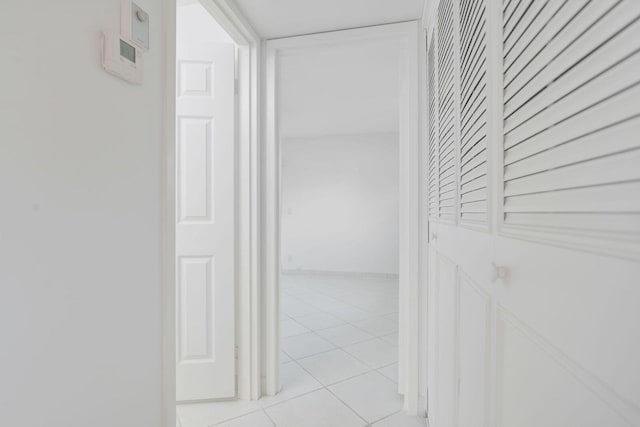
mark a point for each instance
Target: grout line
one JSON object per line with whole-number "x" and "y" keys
{"x": 345, "y": 404}
{"x": 234, "y": 418}
{"x": 334, "y": 395}
{"x": 386, "y": 416}
{"x": 341, "y": 347}
{"x": 274, "y": 404}
{"x": 336, "y": 347}
{"x": 346, "y": 351}
{"x": 269, "y": 416}
{"x": 339, "y": 381}
{"x": 350, "y": 323}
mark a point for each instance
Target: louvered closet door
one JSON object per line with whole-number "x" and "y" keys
{"x": 534, "y": 292}
{"x": 432, "y": 120}
{"x": 443, "y": 58}
{"x": 459, "y": 256}
{"x": 571, "y": 118}
{"x": 567, "y": 316}
{"x": 447, "y": 112}
{"x": 473, "y": 113}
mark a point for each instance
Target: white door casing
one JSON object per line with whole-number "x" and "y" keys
{"x": 406, "y": 34}
{"x": 534, "y": 250}
{"x": 205, "y": 260}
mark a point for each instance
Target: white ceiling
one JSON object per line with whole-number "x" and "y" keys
{"x": 347, "y": 89}
{"x": 283, "y": 18}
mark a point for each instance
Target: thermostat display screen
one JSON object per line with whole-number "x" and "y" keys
{"x": 127, "y": 51}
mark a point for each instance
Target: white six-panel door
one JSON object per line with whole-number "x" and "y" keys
{"x": 534, "y": 213}
{"x": 205, "y": 350}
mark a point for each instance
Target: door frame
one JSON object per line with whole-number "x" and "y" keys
{"x": 247, "y": 233}
{"x": 407, "y": 34}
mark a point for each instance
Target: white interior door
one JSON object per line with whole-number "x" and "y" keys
{"x": 534, "y": 206}
{"x": 205, "y": 301}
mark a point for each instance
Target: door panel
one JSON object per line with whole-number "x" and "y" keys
{"x": 583, "y": 305}
{"x": 538, "y": 386}
{"x": 446, "y": 348}
{"x": 541, "y": 325}
{"x": 205, "y": 223}
{"x": 473, "y": 353}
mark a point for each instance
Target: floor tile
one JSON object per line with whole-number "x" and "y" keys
{"x": 381, "y": 305}
{"x": 298, "y": 308}
{"x": 284, "y": 357}
{"x": 207, "y": 414}
{"x": 351, "y": 314}
{"x": 317, "y": 409}
{"x": 333, "y": 366}
{"x": 323, "y": 302}
{"x": 392, "y": 316}
{"x": 306, "y": 345}
{"x": 375, "y": 353}
{"x": 377, "y": 326}
{"x": 319, "y": 321}
{"x": 296, "y": 291}
{"x": 255, "y": 419}
{"x": 289, "y": 328}
{"x": 401, "y": 420}
{"x": 371, "y": 395}
{"x": 344, "y": 335}
{"x": 295, "y": 381}
{"x": 391, "y": 338}
{"x": 390, "y": 372}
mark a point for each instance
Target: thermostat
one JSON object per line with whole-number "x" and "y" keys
{"x": 121, "y": 58}
{"x": 134, "y": 24}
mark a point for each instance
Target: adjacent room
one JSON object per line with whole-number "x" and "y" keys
{"x": 339, "y": 230}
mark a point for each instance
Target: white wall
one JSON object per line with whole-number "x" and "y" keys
{"x": 80, "y": 221}
{"x": 342, "y": 191}
{"x": 195, "y": 24}
{"x": 344, "y": 88}
{"x": 340, "y": 203}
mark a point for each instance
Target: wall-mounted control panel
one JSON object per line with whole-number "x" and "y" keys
{"x": 121, "y": 58}
{"x": 122, "y": 53}
{"x": 134, "y": 24}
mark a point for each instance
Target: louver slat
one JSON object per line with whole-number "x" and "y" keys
{"x": 447, "y": 117}
{"x": 473, "y": 111}
{"x": 572, "y": 120}
{"x": 432, "y": 176}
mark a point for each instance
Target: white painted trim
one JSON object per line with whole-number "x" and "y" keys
{"x": 271, "y": 227}
{"x": 248, "y": 334}
{"x": 410, "y": 222}
{"x": 407, "y": 34}
{"x": 247, "y": 232}
{"x": 169, "y": 220}
{"x": 423, "y": 222}
{"x": 227, "y": 14}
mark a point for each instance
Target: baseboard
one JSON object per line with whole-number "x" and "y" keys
{"x": 298, "y": 272}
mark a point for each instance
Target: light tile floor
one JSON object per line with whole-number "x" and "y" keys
{"x": 339, "y": 340}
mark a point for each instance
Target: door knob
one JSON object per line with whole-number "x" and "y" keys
{"x": 496, "y": 272}
{"x": 434, "y": 236}
{"x": 141, "y": 15}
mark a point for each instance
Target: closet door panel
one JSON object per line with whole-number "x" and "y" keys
{"x": 473, "y": 155}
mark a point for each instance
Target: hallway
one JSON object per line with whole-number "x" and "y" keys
{"x": 339, "y": 338}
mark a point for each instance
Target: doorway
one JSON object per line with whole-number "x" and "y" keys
{"x": 340, "y": 225}
{"x": 404, "y": 39}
